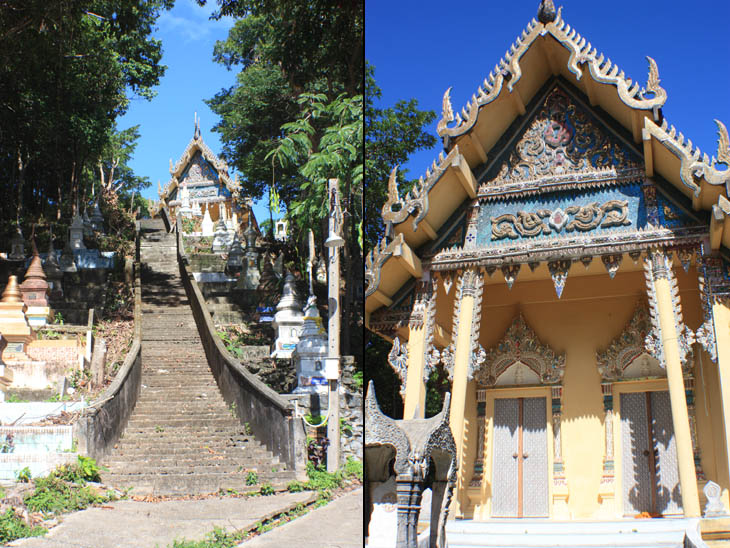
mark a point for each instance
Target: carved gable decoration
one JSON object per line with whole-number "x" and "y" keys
{"x": 521, "y": 358}
{"x": 626, "y": 357}
{"x": 562, "y": 140}
{"x": 199, "y": 170}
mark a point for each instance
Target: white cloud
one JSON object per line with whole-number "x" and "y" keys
{"x": 192, "y": 22}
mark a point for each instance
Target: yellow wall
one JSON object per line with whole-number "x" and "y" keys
{"x": 591, "y": 313}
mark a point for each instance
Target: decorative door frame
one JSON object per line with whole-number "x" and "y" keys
{"x": 519, "y": 347}
{"x": 634, "y": 341}
{"x": 483, "y": 510}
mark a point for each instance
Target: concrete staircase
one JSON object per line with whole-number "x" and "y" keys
{"x": 181, "y": 437}
{"x": 533, "y": 533}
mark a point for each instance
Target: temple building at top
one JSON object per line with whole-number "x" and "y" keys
{"x": 567, "y": 261}
{"x": 200, "y": 182}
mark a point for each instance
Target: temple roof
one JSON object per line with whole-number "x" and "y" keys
{"x": 195, "y": 146}
{"x": 548, "y": 53}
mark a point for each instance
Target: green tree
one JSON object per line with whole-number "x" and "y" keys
{"x": 282, "y": 49}
{"x": 67, "y": 71}
{"x": 392, "y": 134}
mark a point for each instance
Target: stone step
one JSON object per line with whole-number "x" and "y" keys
{"x": 529, "y": 533}
{"x": 187, "y": 483}
{"x": 153, "y": 452}
{"x": 142, "y": 423}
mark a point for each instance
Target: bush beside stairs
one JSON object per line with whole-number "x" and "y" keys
{"x": 182, "y": 439}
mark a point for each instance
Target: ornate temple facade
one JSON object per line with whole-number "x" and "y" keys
{"x": 567, "y": 261}
{"x": 200, "y": 182}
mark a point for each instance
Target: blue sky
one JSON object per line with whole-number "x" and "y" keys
{"x": 420, "y": 48}
{"x": 166, "y": 122}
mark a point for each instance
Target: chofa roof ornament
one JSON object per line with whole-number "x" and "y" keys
{"x": 546, "y": 12}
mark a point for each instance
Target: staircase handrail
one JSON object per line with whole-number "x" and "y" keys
{"x": 270, "y": 416}
{"x": 101, "y": 424}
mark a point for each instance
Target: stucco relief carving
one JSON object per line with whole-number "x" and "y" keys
{"x": 520, "y": 346}
{"x": 658, "y": 265}
{"x": 562, "y": 139}
{"x": 398, "y": 360}
{"x": 614, "y": 361}
{"x": 525, "y": 224}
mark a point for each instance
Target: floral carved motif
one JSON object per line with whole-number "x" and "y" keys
{"x": 562, "y": 139}
{"x": 398, "y": 360}
{"x": 584, "y": 218}
{"x": 657, "y": 266}
{"x": 625, "y": 348}
{"x": 521, "y": 345}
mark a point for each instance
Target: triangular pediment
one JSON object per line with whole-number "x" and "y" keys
{"x": 562, "y": 142}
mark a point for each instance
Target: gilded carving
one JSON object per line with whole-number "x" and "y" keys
{"x": 563, "y": 139}
{"x": 624, "y": 349}
{"x": 526, "y": 224}
{"x": 521, "y": 345}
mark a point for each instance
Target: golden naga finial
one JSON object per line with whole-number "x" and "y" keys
{"x": 723, "y": 144}
{"x": 393, "y": 187}
{"x": 652, "y": 82}
{"x": 447, "y": 112}
{"x": 172, "y": 168}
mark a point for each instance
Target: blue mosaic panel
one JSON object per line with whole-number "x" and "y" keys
{"x": 670, "y": 215}
{"x": 544, "y": 205}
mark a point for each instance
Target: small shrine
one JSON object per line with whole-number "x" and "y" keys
{"x": 207, "y": 224}
{"x": 310, "y": 352}
{"x": 53, "y": 272}
{"x": 76, "y": 232}
{"x": 35, "y": 292}
{"x": 17, "y": 246}
{"x": 288, "y": 320}
{"x": 97, "y": 219}
{"x": 13, "y": 323}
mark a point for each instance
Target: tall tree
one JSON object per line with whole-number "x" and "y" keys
{"x": 392, "y": 134}
{"x": 67, "y": 70}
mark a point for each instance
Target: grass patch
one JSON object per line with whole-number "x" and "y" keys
{"x": 13, "y": 527}
{"x": 218, "y": 538}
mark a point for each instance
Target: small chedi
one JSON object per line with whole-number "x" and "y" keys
{"x": 35, "y": 292}
{"x": 17, "y": 246}
{"x": 288, "y": 321}
{"x": 311, "y": 351}
{"x": 207, "y": 224}
{"x": 13, "y": 323}
{"x": 76, "y": 233}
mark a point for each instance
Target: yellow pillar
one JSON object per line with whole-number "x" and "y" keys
{"x": 415, "y": 404}
{"x": 721, "y": 320}
{"x": 420, "y": 342}
{"x": 467, "y": 313}
{"x": 661, "y": 272}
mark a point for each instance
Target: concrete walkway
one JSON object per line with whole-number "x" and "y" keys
{"x": 337, "y": 525}
{"x": 130, "y": 524}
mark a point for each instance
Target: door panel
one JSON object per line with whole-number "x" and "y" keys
{"x": 637, "y": 480}
{"x": 649, "y": 454}
{"x": 535, "y": 462}
{"x": 669, "y": 500}
{"x": 520, "y": 422}
{"x": 504, "y": 475}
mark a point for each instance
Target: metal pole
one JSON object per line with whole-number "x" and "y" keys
{"x": 333, "y": 332}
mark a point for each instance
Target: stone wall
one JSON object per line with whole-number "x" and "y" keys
{"x": 351, "y": 410}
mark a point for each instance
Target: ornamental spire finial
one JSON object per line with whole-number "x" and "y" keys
{"x": 546, "y": 12}
{"x": 196, "y": 130}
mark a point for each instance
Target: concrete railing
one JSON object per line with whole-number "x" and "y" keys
{"x": 269, "y": 416}
{"x": 102, "y": 423}
{"x": 166, "y": 219}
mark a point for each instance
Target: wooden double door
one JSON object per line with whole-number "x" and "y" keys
{"x": 520, "y": 459}
{"x": 650, "y": 475}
